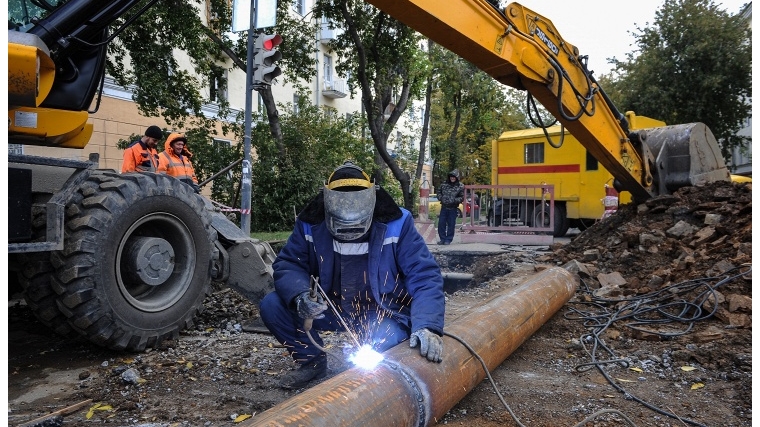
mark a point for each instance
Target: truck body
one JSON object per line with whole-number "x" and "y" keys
{"x": 581, "y": 183}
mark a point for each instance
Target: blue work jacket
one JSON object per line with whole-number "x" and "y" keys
{"x": 404, "y": 277}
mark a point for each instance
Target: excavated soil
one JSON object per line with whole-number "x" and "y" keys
{"x": 658, "y": 334}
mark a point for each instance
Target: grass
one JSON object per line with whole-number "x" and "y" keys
{"x": 275, "y": 236}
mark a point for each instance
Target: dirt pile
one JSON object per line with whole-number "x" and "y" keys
{"x": 694, "y": 234}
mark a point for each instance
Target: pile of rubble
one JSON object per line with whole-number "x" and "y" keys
{"x": 696, "y": 233}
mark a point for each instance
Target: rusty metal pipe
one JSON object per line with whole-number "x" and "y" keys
{"x": 406, "y": 389}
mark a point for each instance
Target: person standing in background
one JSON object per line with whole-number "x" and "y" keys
{"x": 451, "y": 194}
{"x": 141, "y": 155}
{"x": 175, "y": 161}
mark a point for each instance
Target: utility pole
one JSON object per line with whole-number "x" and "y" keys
{"x": 245, "y": 198}
{"x": 268, "y": 10}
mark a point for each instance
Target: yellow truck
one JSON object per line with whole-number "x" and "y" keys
{"x": 524, "y": 157}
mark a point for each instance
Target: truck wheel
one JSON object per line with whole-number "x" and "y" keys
{"x": 137, "y": 262}
{"x": 541, "y": 218}
{"x": 493, "y": 220}
{"x": 35, "y": 275}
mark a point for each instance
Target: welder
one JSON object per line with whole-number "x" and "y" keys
{"x": 372, "y": 264}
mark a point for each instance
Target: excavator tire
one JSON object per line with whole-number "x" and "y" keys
{"x": 137, "y": 261}
{"x": 34, "y": 277}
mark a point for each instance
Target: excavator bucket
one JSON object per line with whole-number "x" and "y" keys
{"x": 685, "y": 155}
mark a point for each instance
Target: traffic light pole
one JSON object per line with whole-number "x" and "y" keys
{"x": 245, "y": 201}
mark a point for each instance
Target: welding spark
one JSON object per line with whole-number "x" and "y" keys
{"x": 366, "y": 357}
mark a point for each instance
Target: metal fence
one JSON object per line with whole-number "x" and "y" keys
{"x": 509, "y": 214}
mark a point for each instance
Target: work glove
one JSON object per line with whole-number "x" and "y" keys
{"x": 431, "y": 345}
{"x": 308, "y": 308}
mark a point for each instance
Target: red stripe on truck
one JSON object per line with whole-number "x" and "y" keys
{"x": 506, "y": 170}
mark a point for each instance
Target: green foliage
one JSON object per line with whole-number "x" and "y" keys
{"x": 470, "y": 110}
{"x": 381, "y": 58}
{"x": 210, "y": 157}
{"x": 316, "y": 142}
{"x": 694, "y": 64}
{"x": 145, "y": 56}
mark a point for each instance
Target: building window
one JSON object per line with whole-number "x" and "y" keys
{"x": 299, "y": 6}
{"x": 534, "y": 153}
{"x": 221, "y": 144}
{"x": 327, "y": 70}
{"x": 218, "y": 85}
{"x": 296, "y": 102}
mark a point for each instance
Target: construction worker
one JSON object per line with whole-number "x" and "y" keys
{"x": 451, "y": 194}
{"x": 364, "y": 251}
{"x": 141, "y": 155}
{"x": 175, "y": 160}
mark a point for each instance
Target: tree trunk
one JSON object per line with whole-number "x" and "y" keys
{"x": 273, "y": 116}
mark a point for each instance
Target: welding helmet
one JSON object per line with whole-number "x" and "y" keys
{"x": 349, "y": 202}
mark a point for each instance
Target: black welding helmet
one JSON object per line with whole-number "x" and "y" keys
{"x": 349, "y": 202}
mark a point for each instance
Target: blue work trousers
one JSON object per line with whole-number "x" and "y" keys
{"x": 447, "y": 223}
{"x": 382, "y": 332}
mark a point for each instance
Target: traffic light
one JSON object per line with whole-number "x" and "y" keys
{"x": 265, "y": 56}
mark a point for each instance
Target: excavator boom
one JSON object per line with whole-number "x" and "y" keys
{"x": 522, "y": 49}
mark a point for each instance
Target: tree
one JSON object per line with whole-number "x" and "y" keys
{"x": 382, "y": 57}
{"x": 316, "y": 141}
{"x": 694, "y": 64}
{"x": 471, "y": 109}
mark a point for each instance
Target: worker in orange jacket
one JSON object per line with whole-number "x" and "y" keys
{"x": 175, "y": 160}
{"x": 141, "y": 155}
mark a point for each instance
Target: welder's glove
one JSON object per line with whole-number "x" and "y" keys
{"x": 308, "y": 308}
{"x": 431, "y": 345}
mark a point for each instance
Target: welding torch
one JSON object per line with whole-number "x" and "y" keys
{"x": 315, "y": 290}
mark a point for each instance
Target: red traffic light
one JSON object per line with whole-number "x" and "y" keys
{"x": 270, "y": 41}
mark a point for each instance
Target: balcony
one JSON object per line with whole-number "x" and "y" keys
{"x": 336, "y": 88}
{"x": 327, "y": 32}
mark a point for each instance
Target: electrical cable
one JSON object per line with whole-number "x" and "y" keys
{"x": 506, "y": 405}
{"x": 662, "y": 307}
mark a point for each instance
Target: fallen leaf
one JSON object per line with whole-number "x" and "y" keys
{"x": 625, "y": 381}
{"x": 610, "y": 396}
{"x": 687, "y": 368}
{"x": 242, "y": 418}
{"x": 128, "y": 361}
{"x": 697, "y": 385}
{"x": 636, "y": 369}
{"x": 189, "y": 365}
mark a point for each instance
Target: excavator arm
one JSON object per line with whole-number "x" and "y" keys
{"x": 522, "y": 49}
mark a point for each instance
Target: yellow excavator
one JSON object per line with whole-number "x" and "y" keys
{"x": 522, "y": 49}
{"x": 126, "y": 260}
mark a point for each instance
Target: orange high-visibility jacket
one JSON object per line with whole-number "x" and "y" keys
{"x": 139, "y": 158}
{"x": 174, "y": 165}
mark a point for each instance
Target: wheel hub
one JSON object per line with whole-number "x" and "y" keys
{"x": 150, "y": 260}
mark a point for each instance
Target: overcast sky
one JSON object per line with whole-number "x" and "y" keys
{"x": 600, "y": 28}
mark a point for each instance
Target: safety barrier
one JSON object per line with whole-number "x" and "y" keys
{"x": 508, "y": 214}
